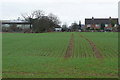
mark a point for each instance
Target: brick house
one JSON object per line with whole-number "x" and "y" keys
{"x": 97, "y": 23}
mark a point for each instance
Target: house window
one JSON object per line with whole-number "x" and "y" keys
{"x": 97, "y": 25}
{"x": 106, "y": 25}
{"x": 88, "y": 25}
{"x": 115, "y": 25}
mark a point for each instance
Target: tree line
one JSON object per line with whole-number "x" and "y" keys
{"x": 39, "y": 22}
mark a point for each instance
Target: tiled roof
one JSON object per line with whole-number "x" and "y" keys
{"x": 100, "y": 20}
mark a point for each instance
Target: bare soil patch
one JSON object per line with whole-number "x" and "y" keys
{"x": 69, "y": 51}
{"x": 94, "y": 48}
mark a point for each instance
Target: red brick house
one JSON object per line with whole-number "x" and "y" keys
{"x": 97, "y": 23}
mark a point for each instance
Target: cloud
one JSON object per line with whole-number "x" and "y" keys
{"x": 67, "y": 10}
{"x": 59, "y": 1}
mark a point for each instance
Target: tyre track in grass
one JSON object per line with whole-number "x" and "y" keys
{"x": 94, "y": 48}
{"x": 59, "y": 73}
{"x": 70, "y": 47}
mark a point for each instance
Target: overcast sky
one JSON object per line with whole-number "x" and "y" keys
{"x": 67, "y": 10}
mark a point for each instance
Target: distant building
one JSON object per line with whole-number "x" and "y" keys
{"x": 22, "y": 24}
{"x": 14, "y": 25}
{"x": 58, "y": 29}
{"x": 96, "y": 23}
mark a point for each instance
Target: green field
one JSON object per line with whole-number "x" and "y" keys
{"x": 42, "y": 55}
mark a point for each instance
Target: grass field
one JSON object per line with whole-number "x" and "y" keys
{"x": 60, "y": 55}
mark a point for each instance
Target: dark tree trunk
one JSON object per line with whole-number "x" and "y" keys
{"x": 30, "y": 26}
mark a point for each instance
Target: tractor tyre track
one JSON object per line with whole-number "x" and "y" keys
{"x": 45, "y": 73}
{"x": 94, "y": 47}
{"x": 70, "y": 47}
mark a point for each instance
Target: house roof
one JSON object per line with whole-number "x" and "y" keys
{"x": 100, "y": 20}
{"x": 57, "y": 26}
{"x": 14, "y": 22}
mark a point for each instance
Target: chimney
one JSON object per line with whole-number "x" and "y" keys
{"x": 110, "y": 18}
{"x": 92, "y": 18}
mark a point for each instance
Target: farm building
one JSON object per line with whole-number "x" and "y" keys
{"x": 14, "y": 25}
{"x": 58, "y": 29}
{"x": 97, "y": 23}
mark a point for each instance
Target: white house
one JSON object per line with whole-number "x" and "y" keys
{"x": 58, "y": 29}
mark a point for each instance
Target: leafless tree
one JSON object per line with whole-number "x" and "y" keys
{"x": 64, "y": 27}
{"x": 39, "y": 14}
{"x": 74, "y": 26}
{"x": 40, "y": 22}
{"x": 34, "y": 15}
{"x": 54, "y": 19}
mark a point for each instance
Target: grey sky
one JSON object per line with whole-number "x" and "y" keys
{"x": 67, "y": 10}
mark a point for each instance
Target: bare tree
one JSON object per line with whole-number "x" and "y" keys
{"x": 40, "y": 22}
{"x": 74, "y": 26}
{"x": 34, "y": 15}
{"x": 54, "y": 19}
{"x": 64, "y": 27}
{"x": 39, "y": 14}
